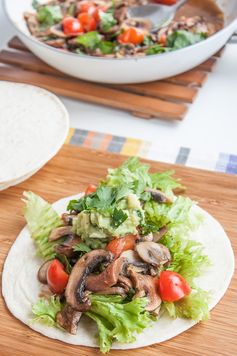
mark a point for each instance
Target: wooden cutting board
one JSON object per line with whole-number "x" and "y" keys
{"x": 69, "y": 173}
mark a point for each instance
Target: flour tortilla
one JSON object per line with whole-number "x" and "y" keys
{"x": 34, "y": 125}
{"x": 20, "y": 286}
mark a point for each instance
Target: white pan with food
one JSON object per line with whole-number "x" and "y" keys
{"x": 112, "y": 52}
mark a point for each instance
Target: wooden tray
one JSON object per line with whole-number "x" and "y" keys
{"x": 166, "y": 99}
{"x": 69, "y": 173}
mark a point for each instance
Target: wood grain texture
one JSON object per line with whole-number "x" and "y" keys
{"x": 70, "y": 172}
{"x": 95, "y": 93}
{"x": 164, "y": 99}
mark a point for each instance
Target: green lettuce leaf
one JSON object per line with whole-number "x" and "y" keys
{"x": 41, "y": 220}
{"x": 194, "y": 306}
{"x": 117, "y": 320}
{"x": 165, "y": 182}
{"x": 89, "y": 40}
{"x": 132, "y": 174}
{"x": 45, "y": 310}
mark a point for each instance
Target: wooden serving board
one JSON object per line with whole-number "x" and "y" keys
{"x": 69, "y": 173}
{"x": 165, "y": 99}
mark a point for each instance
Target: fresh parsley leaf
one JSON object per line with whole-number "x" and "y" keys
{"x": 107, "y": 21}
{"x": 118, "y": 217}
{"x": 49, "y": 15}
{"x": 182, "y": 38}
{"x": 65, "y": 262}
{"x": 81, "y": 247}
{"x": 147, "y": 41}
{"x": 106, "y": 47}
{"x": 156, "y": 49}
{"x": 89, "y": 40}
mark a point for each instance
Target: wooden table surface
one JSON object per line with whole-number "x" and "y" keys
{"x": 69, "y": 173}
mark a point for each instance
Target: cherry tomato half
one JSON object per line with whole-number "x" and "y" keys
{"x": 71, "y": 26}
{"x": 90, "y": 189}
{"x": 132, "y": 35}
{"x": 118, "y": 245}
{"x": 87, "y": 6}
{"x": 57, "y": 278}
{"x": 87, "y": 21}
{"x": 165, "y": 2}
{"x": 172, "y": 286}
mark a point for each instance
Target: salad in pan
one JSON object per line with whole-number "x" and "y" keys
{"x": 104, "y": 29}
{"x": 121, "y": 255}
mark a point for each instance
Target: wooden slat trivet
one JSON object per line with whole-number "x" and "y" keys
{"x": 165, "y": 99}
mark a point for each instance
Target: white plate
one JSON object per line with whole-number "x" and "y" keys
{"x": 34, "y": 125}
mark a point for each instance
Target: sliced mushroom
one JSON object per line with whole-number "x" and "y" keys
{"x": 56, "y": 42}
{"x": 113, "y": 290}
{"x": 59, "y": 232}
{"x": 131, "y": 256}
{"x": 107, "y": 278}
{"x": 66, "y": 247}
{"x": 153, "y": 253}
{"x": 75, "y": 293}
{"x": 68, "y": 218}
{"x": 57, "y": 31}
{"x": 68, "y": 319}
{"x": 158, "y": 196}
{"x": 42, "y": 272}
{"x": 144, "y": 287}
{"x": 148, "y": 237}
{"x": 125, "y": 283}
{"x": 159, "y": 234}
{"x": 45, "y": 292}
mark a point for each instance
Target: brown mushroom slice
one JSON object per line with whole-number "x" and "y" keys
{"x": 59, "y": 232}
{"x": 42, "y": 272}
{"x": 75, "y": 293}
{"x": 145, "y": 287}
{"x": 158, "y": 196}
{"x": 107, "y": 278}
{"x": 66, "y": 247}
{"x": 68, "y": 319}
{"x": 153, "y": 253}
{"x": 57, "y": 31}
{"x": 131, "y": 256}
{"x": 68, "y": 218}
{"x": 125, "y": 283}
{"x": 159, "y": 234}
{"x": 113, "y": 290}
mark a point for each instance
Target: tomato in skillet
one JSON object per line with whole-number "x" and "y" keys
{"x": 132, "y": 35}
{"x": 87, "y": 6}
{"x": 172, "y": 286}
{"x": 57, "y": 278}
{"x": 72, "y": 26}
{"x": 90, "y": 189}
{"x": 118, "y": 245}
{"x": 87, "y": 21}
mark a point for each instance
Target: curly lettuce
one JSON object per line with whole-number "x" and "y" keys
{"x": 41, "y": 220}
{"x": 117, "y": 320}
{"x": 45, "y": 310}
{"x": 194, "y": 306}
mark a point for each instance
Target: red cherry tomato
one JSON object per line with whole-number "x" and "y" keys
{"x": 172, "y": 286}
{"x": 88, "y": 22}
{"x": 118, "y": 245}
{"x": 165, "y": 2}
{"x": 87, "y": 6}
{"x": 57, "y": 278}
{"x": 132, "y": 35}
{"x": 90, "y": 189}
{"x": 71, "y": 26}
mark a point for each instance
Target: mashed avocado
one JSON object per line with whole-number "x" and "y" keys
{"x": 96, "y": 225}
